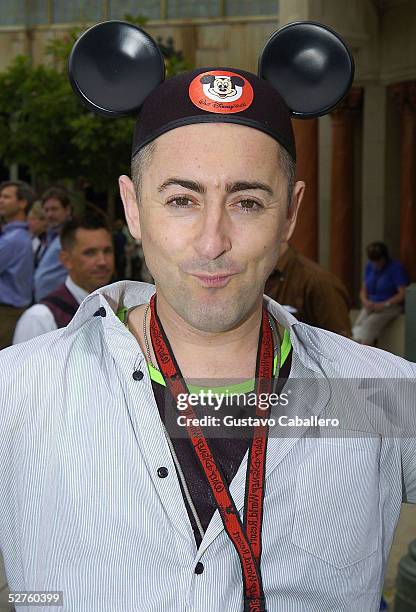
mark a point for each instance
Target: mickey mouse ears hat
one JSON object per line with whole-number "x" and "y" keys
{"x": 117, "y": 69}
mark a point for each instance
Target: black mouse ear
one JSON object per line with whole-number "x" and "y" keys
{"x": 114, "y": 66}
{"x": 309, "y": 65}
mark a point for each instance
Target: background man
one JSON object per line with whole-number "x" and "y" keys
{"x": 38, "y": 226}
{"x": 16, "y": 258}
{"x": 87, "y": 254}
{"x": 311, "y": 293}
{"x": 50, "y": 272}
{"x": 381, "y": 295}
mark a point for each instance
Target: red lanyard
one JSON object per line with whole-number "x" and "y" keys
{"x": 246, "y": 537}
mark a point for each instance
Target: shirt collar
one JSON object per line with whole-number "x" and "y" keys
{"x": 133, "y": 293}
{"x": 53, "y": 232}
{"x": 78, "y": 292}
{"x": 14, "y": 225}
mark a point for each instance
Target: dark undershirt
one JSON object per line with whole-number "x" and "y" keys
{"x": 228, "y": 446}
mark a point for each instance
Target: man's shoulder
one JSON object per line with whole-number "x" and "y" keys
{"x": 18, "y": 235}
{"x": 343, "y": 357}
{"x": 31, "y": 354}
{"x": 35, "y": 311}
{"x": 315, "y": 272}
{"x": 397, "y": 265}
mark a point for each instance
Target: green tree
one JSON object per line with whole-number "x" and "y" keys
{"x": 44, "y": 126}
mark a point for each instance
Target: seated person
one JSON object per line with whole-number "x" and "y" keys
{"x": 381, "y": 295}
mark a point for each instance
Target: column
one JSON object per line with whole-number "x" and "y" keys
{"x": 405, "y": 95}
{"x": 305, "y": 237}
{"x": 373, "y": 214}
{"x": 342, "y": 188}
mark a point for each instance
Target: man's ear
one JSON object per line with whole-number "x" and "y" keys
{"x": 65, "y": 258}
{"x": 293, "y": 209}
{"x": 23, "y": 206}
{"x": 131, "y": 208}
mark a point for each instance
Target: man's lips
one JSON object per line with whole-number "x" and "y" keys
{"x": 101, "y": 272}
{"x": 214, "y": 280}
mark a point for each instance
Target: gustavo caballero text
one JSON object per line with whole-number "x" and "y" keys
{"x": 231, "y": 421}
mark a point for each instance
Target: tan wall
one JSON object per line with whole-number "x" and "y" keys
{"x": 398, "y": 41}
{"x": 235, "y": 43}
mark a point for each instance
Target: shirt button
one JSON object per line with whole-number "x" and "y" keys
{"x": 137, "y": 375}
{"x": 100, "y": 312}
{"x": 199, "y": 568}
{"x": 162, "y": 472}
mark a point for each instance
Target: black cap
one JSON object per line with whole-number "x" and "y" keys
{"x": 214, "y": 95}
{"x": 305, "y": 69}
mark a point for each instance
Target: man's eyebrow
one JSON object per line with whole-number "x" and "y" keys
{"x": 230, "y": 188}
{"x": 246, "y": 185}
{"x": 192, "y": 185}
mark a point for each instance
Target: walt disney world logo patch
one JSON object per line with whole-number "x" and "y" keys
{"x": 219, "y": 91}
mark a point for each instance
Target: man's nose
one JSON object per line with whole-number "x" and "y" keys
{"x": 101, "y": 260}
{"x": 213, "y": 237}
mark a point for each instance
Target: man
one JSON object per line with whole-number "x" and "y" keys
{"x": 311, "y": 293}
{"x": 113, "y": 509}
{"x": 88, "y": 256}
{"x": 38, "y": 226}
{"x": 381, "y": 295}
{"x": 16, "y": 259}
{"x": 50, "y": 272}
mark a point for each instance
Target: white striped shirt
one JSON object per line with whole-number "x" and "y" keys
{"x": 83, "y": 511}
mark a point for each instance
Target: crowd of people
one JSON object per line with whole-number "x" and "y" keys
{"x": 50, "y": 259}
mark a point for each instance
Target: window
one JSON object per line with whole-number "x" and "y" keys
{"x": 143, "y": 8}
{"x": 37, "y": 12}
{"x": 77, "y": 11}
{"x": 235, "y": 8}
{"x": 178, "y": 9}
{"x": 12, "y": 12}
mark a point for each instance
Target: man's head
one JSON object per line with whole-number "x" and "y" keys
{"x": 378, "y": 254}
{"x": 213, "y": 201}
{"x": 56, "y": 206}
{"x": 15, "y": 199}
{"x": 36, "y": 219}
{"x": 87, "y": 250}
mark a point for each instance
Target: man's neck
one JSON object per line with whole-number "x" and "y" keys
{"x": 14, "y": 218}
{"x": 228, "y": 354}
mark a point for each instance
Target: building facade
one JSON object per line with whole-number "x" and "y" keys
{"x": 359, "y": 162}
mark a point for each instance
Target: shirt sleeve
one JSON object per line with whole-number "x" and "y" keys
{"x": 326, "y": 305}
{"x": 35, "y": 321}
{"x": 400, "y": 276}
{"x": 8, "y": 252}
{"x": 408, "y": 448}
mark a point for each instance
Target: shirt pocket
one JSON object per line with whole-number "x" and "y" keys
{"x": 337, "y": 500}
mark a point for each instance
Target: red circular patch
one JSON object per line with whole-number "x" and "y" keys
{"x": 220, "y": 91}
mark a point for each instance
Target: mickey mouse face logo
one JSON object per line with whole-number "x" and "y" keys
{"x": 221, "y": 92}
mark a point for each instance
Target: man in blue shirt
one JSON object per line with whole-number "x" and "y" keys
{"x": 16, "y": 258}
{"x": 51, "y": 273}
{"x": 381, "y": 295}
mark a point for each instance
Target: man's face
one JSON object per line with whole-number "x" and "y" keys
{"x": 10, "y": 206}
{"x": 55, "y": 213}
{"x": 36, "y": 226}
{"x": 90, "y": 261}
{"x": 213, "y": 210}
